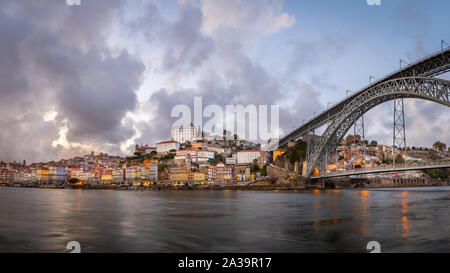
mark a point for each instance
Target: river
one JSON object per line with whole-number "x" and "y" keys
{"x": 401, "y": 220}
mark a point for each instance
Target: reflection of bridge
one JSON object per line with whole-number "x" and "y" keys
{"x": 413, "y": 81}
{"x": 390, "y": 168}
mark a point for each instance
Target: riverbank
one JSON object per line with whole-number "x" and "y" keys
{"x": 163, "y": 187}
{"x": 296, "y": 184}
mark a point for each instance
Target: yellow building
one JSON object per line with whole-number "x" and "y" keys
{"x": 181, "y": 176}
{"x": 197, "y": 145}
{"x": 150, "y": 162}
{"x": 106, "y": 177}
{"x": 238, "y": 176}
{"x": 43, "y": 174}
{"x": 277, "y": 153}
{"x": 199, "y": 176}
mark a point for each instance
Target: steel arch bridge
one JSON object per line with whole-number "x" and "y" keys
{"x": 431, "y": 89}
{"x": 428, "y": 66}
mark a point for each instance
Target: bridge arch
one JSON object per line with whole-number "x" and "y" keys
{"x": 432, "y": 89}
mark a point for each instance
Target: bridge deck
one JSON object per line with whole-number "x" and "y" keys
{"x": 397, "y": 168}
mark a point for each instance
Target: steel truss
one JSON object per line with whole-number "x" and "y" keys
{"x": 429, "y": 66}
{"x": 432, "y": 89}
{"x": 399, "y": 134}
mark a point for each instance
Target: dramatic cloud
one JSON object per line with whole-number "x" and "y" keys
{"x": 55, "y": 59}
{"x": 227, "y": 75}
{"x": 106, "y": 74}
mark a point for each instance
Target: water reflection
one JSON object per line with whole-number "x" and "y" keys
{"x": 404, "y": 209}
{"x": 363, "y": 212}
{"x": 37, "y": 220}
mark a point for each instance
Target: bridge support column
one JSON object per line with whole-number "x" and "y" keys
{"x": 358, "y": 129}
{"x": 399, "y": 137}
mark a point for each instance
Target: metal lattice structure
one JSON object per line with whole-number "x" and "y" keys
{"x": 437, "y": 164}
{"x": 429, "y": 66}
{"x": 399, "y": 137}
{"x": 358, "y": 129}
{"x": 432, "y": 89}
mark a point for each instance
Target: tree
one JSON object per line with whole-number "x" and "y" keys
{"x": 399, "y": 159}
{"x": 439, "y": 146}
{"x": 387, "y": 161}
{"x": 161, "y": 167}
{"x": 254, "y": 168}
{"x": 188, "y": 145}
{"x": 373, "y": 143}
{"x": 73, "y": 180}
{"x": 351, "y": 138}
{"x": 168, "y": 156}
{"x": 297, "y": 152}
{"x": 437, "y": 173}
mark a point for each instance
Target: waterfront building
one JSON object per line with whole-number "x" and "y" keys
{"x": 43, "y": 174}
{"x": 222, "y": 172}
{"x": 179, "y": 176}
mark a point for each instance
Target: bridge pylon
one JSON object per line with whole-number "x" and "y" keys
{"x": 399, "y": 136}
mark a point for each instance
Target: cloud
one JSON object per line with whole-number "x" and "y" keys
{"x": 215, "y": 59}
{"x": 250, "y": 17}
{"x": 56, "y": 60}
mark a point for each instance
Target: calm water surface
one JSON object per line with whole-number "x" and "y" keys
{"x": 402, "y": 220}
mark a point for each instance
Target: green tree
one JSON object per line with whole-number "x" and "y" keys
{"x": 399, "y": 159}
{"x": 439, "y": 146}
{"x": 254, "y": 168}
{"x": 216, "y": 160}
{"x": 437, "y": 173}
{"x": 297, "y": 152}
{"x": 162, "y": 167}
{"x": 373, "y": 143}
{"x": 351, "y": 139}
{"x": 73, "y": 180}
{"x": 168, "y": 156}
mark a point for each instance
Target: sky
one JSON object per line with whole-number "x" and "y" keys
{"x": 105, "y": 75}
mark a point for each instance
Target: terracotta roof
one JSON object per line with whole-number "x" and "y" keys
{"x": 170, "y": 141}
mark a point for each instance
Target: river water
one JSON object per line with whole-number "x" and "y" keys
{"x": 401, "y": 220}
